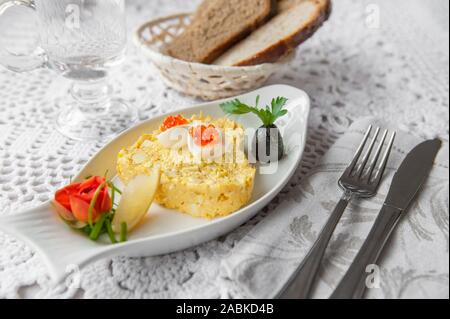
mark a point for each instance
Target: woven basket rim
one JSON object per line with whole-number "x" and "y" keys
{"x": 155, "y": 53}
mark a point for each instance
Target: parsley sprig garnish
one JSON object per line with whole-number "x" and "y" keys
{"x": 268, "y": 114}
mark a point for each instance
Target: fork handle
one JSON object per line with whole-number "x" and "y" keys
{"x": 301, "y": 282}
{"x": 353, "y": 285}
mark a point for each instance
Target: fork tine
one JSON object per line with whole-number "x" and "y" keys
{"x": 387, "y": 153}
{"x": 374, "y": 160}
{"x": 359, "y": 151}
{"x": 366, "y": 157}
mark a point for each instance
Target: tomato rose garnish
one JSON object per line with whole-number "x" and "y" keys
{"x": 204, "y": 135}
{"x": 77, "y": 198}
{"x": 173, "y": 121}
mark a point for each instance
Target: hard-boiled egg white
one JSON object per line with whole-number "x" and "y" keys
{"x": 175, "y": 137}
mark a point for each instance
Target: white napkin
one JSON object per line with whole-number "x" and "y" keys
{"x": 415, "y": 263}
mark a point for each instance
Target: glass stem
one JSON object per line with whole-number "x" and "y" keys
{"x": 93, "y": 97}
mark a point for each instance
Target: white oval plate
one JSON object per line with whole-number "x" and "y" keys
{"x": 165, "y": 230}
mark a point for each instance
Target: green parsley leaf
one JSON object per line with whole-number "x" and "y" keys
{"x": 268, "y": 115}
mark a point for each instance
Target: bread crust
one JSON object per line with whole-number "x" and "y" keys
{"x": 284, "y": 46}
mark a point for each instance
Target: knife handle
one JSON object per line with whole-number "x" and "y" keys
{"x": 353, "y": 285}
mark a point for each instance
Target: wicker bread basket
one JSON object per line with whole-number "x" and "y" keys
{"x": 209, "y": 82}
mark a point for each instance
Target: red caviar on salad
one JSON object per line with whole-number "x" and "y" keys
{"x": 204, "y": 135}
{"x": 173, "y": 121}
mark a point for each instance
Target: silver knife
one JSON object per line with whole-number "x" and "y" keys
{"x": 406, "y": 184}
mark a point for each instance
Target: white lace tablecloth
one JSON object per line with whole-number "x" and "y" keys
{"x": 394, "y": 65}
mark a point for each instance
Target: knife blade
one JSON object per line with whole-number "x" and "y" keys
{"x": 412, "y": 174}
{"x": 406, "y": 184}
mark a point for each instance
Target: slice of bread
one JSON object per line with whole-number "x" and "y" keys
{"x": 217, "y": 26}
{"x": 296, "y": 21}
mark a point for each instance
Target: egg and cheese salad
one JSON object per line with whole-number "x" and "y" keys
{"x": 203, "y": 169}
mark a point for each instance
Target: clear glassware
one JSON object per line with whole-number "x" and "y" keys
{"x": 81, "y": 40}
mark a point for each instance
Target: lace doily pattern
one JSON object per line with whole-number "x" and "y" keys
{"x": 373, "y": 58}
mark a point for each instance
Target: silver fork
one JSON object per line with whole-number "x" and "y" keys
{"x": 359, "y": 180}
